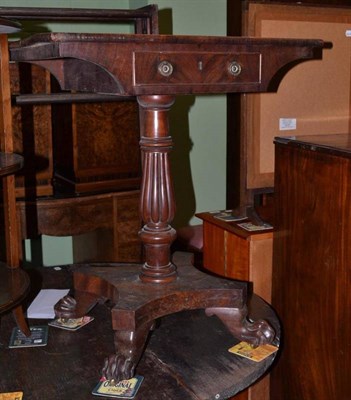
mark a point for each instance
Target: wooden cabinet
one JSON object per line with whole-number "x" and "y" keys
{"x": 311, "y": 267}
{"x": 96, "y": 147}
{"x": 71, "y": 170}
{"x": 70, "y": 148}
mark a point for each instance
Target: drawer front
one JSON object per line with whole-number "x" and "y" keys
{"x": 199, "y": 68}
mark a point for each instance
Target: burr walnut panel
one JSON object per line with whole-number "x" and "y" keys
{"x": 103, "y": 151}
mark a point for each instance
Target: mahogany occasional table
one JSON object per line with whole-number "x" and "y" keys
{"x": 156, "y": 68}
{"x": 14, "y": 285}
{"x": 14, "y": 282}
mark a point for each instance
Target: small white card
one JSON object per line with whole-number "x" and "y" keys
{"x": 287, "y": 124}
{"x": 43, "y": 305}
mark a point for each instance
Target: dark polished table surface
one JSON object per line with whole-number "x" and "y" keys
{"x": 338, "y": 144}
{"x": 186, "y": 358}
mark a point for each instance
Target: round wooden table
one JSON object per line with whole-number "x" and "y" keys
{"x": 14, "y": 282}
{"x": 10, "y": 163}
{"x": 186, "y": 358}
{"x": 14, "y": 285}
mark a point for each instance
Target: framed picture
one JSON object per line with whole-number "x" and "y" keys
{"x": 313, "y": 97}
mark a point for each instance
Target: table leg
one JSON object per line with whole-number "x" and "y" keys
{"x": 129, "y": 349}
{"x": 159, "y": 289}
{"x": 157, "y": 203}
{"x": 235, "y": 319}
{"x": 20, "y": 320}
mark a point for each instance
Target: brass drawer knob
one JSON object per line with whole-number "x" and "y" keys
{"x": 165, "y": 68}
{"x": 234, "y": 68}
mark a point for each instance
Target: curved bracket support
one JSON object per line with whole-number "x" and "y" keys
{"x": 81, "y": 75}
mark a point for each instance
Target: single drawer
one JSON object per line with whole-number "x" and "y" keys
{"x": 203, "y": 68}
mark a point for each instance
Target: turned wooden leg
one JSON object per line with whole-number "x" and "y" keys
{"x": 157, "y": 197}
{"x": 235, "y": 319}
{"x": 20, "y": 320}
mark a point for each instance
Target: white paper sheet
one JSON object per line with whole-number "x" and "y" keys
{"x": 43, "y": 305}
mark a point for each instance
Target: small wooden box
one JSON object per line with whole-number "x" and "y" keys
{"x": 233, "y": 252}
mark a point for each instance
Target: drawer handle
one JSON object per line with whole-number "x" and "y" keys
{"x": 165, "y": 68}
{"x": 234, "y": 68}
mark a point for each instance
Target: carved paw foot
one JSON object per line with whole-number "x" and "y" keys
{"x": 118, "y": 367}
{"x": 66, "y": 307}
{"x": 129, "y": 347}
{"x": 256, "y": 333}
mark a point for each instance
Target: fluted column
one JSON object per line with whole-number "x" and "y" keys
{"x": 157, "y": 205}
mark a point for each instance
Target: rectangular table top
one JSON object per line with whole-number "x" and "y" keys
{"x": 138, "y": 64}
